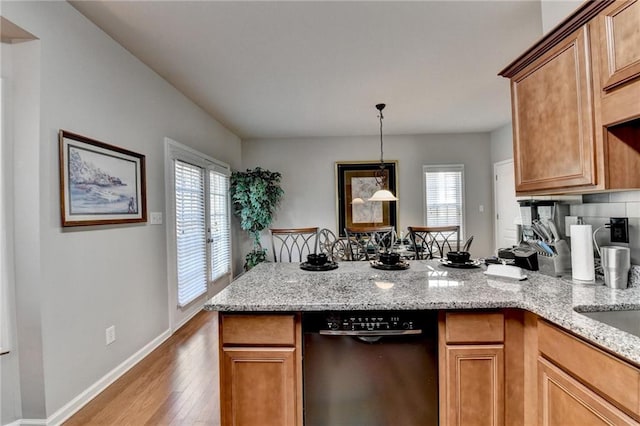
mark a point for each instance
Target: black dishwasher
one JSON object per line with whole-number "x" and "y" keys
{"x": 370, "y": 368}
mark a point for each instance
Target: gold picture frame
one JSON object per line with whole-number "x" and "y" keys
{"x": 357, "y": 180}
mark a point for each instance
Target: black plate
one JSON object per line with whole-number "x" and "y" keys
{"x": 326, "y": 267}
{"x": 465, "y": 265}
{"x": 397, "y": 267}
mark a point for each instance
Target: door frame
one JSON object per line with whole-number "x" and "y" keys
{"x": 495, "y": 200}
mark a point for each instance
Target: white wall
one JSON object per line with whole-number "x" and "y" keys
{"x": 555, "y": 11}
{"x": 502, "y": 143}
{"x": 308, "y": 169}
{"x": 10, "y": 403}
{"x": 26, "y": 212}
{"x": 77, "y": 282}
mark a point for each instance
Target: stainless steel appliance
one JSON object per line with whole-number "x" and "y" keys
{"x": 542, "y": 233}
{"x": 370, "y": 368}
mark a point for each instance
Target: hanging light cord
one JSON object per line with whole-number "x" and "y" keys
{"x": 379, "y": 176}
{"x": 381, "y": 154}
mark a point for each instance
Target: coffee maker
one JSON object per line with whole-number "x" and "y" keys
{"x": 542, "y": 233}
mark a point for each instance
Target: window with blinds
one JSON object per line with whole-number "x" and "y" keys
{"x": 200, "y": 187}
{"x": 444, "y": 195}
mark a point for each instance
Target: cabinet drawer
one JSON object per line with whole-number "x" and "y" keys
{"x": 612, "y": 378}
{"x": 258, "y": 330}
{"x": 462, "y": 327}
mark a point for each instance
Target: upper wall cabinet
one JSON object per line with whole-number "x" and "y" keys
{"x": 553, "y": 118}
{"x": 618, "y": 37}
{"x": 576, "y": 103}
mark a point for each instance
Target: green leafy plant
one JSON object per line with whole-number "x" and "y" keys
{"x": 255, "y": 195}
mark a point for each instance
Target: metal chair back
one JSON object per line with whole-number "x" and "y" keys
{"x": 326, "y": 240}
{"x": 434, "y": 241}
{"x": 365, "y": 243}
{"x": 293, "y": 244}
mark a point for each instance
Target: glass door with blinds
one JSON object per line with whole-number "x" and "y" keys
{"x": 444, "y": 195}
{"x": 219, "y": 225}
{"x": 201, "y": 235}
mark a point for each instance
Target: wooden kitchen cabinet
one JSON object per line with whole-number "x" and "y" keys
{"x": 475, "y": 378}
{"x": 471, "y": 368}
{"x": 552, "y": 106}
{"x": 260, "y": 369}
{"x": 576, "y": 103}
{"x": 259, "y": 385}
{"x": 619, "y": 44}
{"x": 577, "y": 379}
{"x": 564, "y": 401}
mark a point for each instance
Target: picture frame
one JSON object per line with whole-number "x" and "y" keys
{"x": 357, "y": 180}
{"x": 100, "y": 184}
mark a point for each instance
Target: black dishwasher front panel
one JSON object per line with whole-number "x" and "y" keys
{"x": 370, "y": 368}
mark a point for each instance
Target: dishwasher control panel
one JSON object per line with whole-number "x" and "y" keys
{"x": 369, "y": 321}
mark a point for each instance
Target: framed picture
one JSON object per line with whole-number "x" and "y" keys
{"x": 357, "y": 182}
{"x": 99, "y": 183}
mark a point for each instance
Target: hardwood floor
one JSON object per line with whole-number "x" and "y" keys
{"x": 177, "y": 384}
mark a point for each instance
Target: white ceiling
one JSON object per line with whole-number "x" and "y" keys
{"x": 270, "y": 69}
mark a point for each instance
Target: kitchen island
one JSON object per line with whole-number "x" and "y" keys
{"x": 430, "y": 285}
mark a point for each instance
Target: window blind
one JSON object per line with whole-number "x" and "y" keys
{"x": 444, "y": 196}
{"x": 191, "y": 236}
{"x": 219, "y": 225}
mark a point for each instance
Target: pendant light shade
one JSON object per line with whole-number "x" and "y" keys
{"x": 382, "y": 194}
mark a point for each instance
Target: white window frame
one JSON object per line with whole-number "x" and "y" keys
{"x": 432, "y": 168}
{"x": 177, "y": 151}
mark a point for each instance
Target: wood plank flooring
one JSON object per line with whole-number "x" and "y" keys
{"x": 177, "y": 384}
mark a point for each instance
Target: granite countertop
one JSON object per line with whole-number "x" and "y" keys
{"x": 427, "y": 285}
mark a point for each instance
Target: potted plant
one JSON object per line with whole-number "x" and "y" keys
{"x": 255, "y": 195}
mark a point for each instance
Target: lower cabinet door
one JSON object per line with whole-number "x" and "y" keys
{"x": 474, "y": 385}
{"x": 563, "y": 401}
{"x": 258, "y": 386}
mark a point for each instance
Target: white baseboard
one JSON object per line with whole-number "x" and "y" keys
{"x": 28, "y": 422}
{"x": 92, "y": 391}
{"x": 187, "y": 318}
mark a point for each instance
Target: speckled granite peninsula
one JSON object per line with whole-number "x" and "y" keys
{"x": 428, "y": 285}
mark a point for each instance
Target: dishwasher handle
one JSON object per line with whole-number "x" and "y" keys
{"x": 369, "y": 333}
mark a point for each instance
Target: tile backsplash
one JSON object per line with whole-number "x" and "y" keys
{"x": 634, "y": 276}
{"x": 597, "y": 209}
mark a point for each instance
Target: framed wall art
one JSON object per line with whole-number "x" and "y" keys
{"x": 99, "y": 183}
{"x": 357, "y": 181}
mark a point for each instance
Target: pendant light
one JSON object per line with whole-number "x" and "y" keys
{"x": 382, "y": 194}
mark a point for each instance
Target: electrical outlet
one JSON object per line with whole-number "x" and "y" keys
{"x": 110, "y": 334}
{"x": 619, "y": 229}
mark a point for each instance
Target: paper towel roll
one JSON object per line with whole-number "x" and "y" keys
{"x": 582, "y": 266}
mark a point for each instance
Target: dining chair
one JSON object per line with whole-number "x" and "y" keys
{"x": 365, "y": 243}
{"x": 434, "y": 241}
{"x": 293, "y": 244}
{"x": 346, "y": 249}
{"x": 326, "y": 242}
